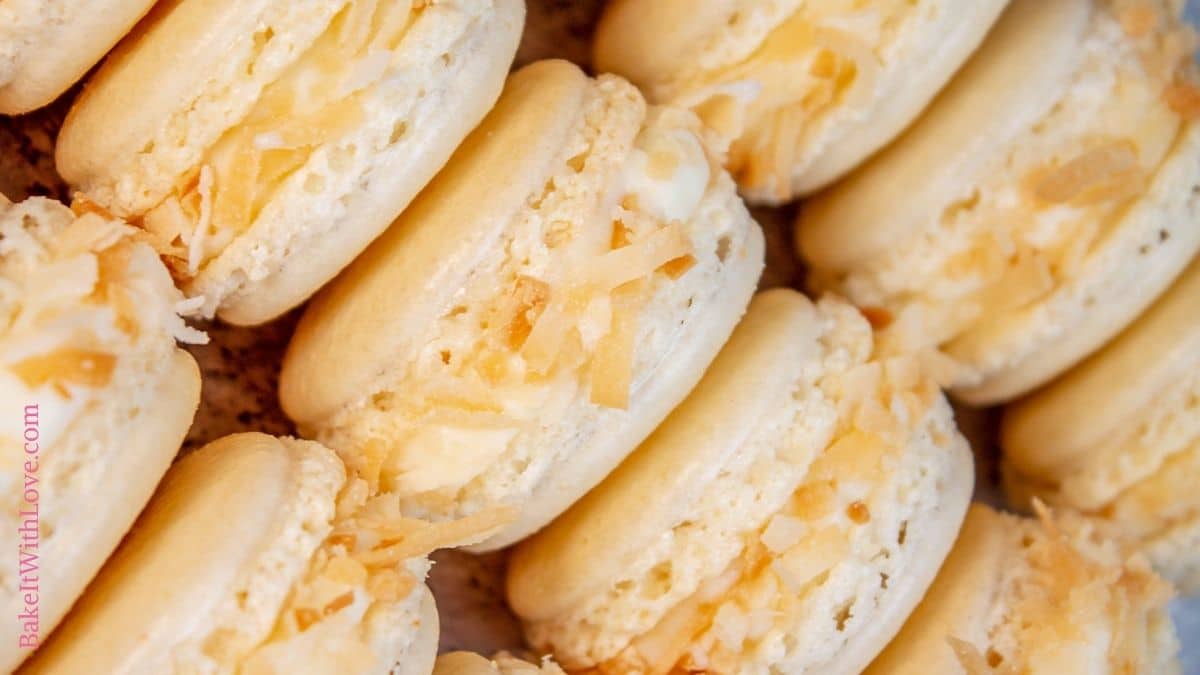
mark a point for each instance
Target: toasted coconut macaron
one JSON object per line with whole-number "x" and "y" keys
{"x": 48, "y": 45}
{"x": 807, "y": 90}
{"x": 1045, "y": 199}
{"x": 785, "y": 518}
{"x": 264, "y": 144}
{"x": 258, "y": 556}
{"x": 469, "y": 663}
{"x": 1021, "y": 596}
{"x": 540, "y": 308}
{"x": 93, "y": 381}
{"x": 1118, "y": 437}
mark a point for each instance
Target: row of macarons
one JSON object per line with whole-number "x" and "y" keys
{"x": 611, "y": 310}
{"x": 804, "y": 509}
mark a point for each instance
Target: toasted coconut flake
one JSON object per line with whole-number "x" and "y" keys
{"x": 236, "y": 184}
{"x": 640, "y": 258}
{"x": 1183, "y": 96}
{"x": 66, "y": 366}
{"x": 196, "y": 244}
{"x": 969, "y": 657}
{"x": 1139, "y": 20}
{"x": 1096, "y": 171}
{"x": 878, "y": 317}
{"x": 339, "y": 603}
{"x": 612, "y": 365}
{"x": 305, "y": 617}
{"x": 528, "y": 301}
{"x": 417, "y": 537}
{"x": 389, "y": 585}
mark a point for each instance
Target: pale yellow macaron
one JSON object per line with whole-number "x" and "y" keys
{"x": 468, "y": 663}
{"x": 1118, "y": 437}
{"x": 48, "y": 45}
{"x": 1043, "y": 201}
{"x": 265, "y": 143}
{"x": 785, "y": 518}
{"x": 98, "y": 399}
{"x": 1042, "y": 598}
{"x": 807, "y": 89}
{"x": 539, "y": 309}
{"x": 258, "y": 556}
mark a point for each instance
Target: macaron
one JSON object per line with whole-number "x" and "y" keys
{"x": 1021, "y": 596}
{"x": 469, "y": 663}
{"x": 785, "y": 518}
{"x": 1044, "y": 200}
{"x": 99, "y": 398}
{"x": 258, "y": 556}
{"x": 806, "y": 90}
{"x": 48, "y": 45}
{"x": 264, "y": 144}
{"x": 1118, "y": 437}
{"x": 538, "y": 310}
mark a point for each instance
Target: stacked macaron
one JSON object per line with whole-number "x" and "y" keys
{"x": 468, "y": 663}
{"x": 1045, "y": 598}
{"x": 47, "y": 45}
{"x": 538, "y": 310}
{"x": 807, "y": 89}
{"x": 1045, "y": 199}
{"x": 264, "y": 144}
{"x": 785, "y": 518}
{"x": 260, "y": 556}
{"x": 1118, "y": 438}
{"x": 92, "y": 379}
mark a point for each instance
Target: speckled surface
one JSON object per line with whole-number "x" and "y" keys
{"x": 240, "y": 365}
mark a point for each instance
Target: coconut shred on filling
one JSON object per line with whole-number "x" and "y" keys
{"x": 827, "y": 56}
{"x": 788, "y": 562}
{"x": 317, "y": 101}
{"x": 1070, "y": 602}
{"x": 1011, "y": 242}
{"x": 564, "y": 335}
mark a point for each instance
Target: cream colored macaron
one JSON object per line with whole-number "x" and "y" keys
{"x": 98, "y": 399}
{"x": 1044, "y": 200}
{"x": 808, "y": 90}
{"x": 1019, "y": 596}
{"x": 539, "y": 309}
{"x": 258, "y": 556}
{"x": 48, "y": 45}
{"x": 785, "y": 518}
{"x": 1118, "y": 437}
{"x": 468, "y": 663}
{"x": 265, "y": 143}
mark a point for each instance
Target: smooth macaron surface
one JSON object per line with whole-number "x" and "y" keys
{"x": 1118, "y": 437}
{"x": 1044, "y": 597}
{"x": 90, "y": 367}
{"x": 537, "y": 311}
{"x": 1040, "y": 204}
{"x": 781, "y": 519}
{"x": 280, "y": 132}
{"x": 806, "y": 90}
{"x": 468, "y": 663}
{"x": 48, "y": 45}
{"x": 256, "y": 556}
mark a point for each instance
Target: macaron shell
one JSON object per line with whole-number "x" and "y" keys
{"x": 581, "y": 551}
{"x": 406, "y": 277}
{"x": 1057, "y": 426}
{"x": 67, "y": 50}
{"x": 1015, "y": 77}
{"x": 464, "y": 663}
{"x": 937, "y": 540}
{"x": 1146, "y": 250}
{"x": 422, "y": 653}
{"x": 393, "y": 182}
{"x": 206, "y": 525}
{"x": 78, "y": 550}
{"x": 958, "y": 604}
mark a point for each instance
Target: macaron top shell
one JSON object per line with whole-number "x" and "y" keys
{"x": 48, "y": 45}
{"x": 1049, "y": 597}
{"x": 237, "y": 566}
{"x": 808, "y": 90}
{"x": 1037, "y": 208}
{"x": 281, "y": 131}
